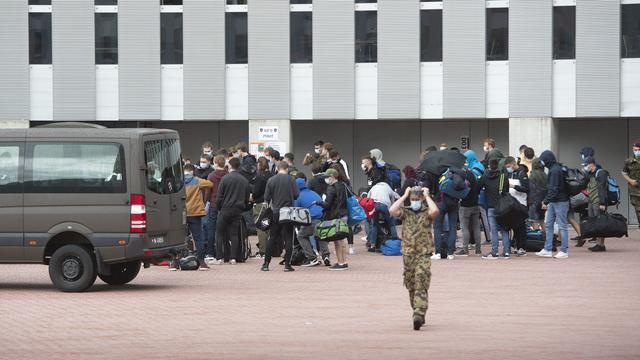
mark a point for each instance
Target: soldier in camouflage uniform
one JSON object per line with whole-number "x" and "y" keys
{"x": 417, "y": 247}
{"x": 631, "y": 173}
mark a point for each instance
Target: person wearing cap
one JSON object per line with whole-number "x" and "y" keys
{"x": 335, "y": 208}
{"x": 596, "y": 183}
{"x": 631, "y": 174}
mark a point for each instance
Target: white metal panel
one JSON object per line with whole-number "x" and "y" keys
{"x": 14, "y": 61}
{"x": 172, "y": 92}
{"x": 564, "y": 88}
{"x": 497, "y": 3}
{"x": 106, "y": 9}
{"x": 630, "y": 2}
{"x": 39, "y": 8}
{"x": 107, "y": 92}
{"x": 564, "y": 2}
{"x": 41, "y": 92}
{"x": 237, "y": 92}
{"x": 630, "y": 87}
{"x": 497, "y": 89}
{"x": 432, "y": 5}
{"x": 431, "y": 90}
{"x": 301, "y": 91}
{"x": 366, "y": 91}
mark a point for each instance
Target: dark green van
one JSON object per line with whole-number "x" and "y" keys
{"x": 90, "y": 202}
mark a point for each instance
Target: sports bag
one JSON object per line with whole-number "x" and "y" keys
{"x": 391, "y": 247}
{"x": 605, "y": 225}
{"x": 189, "y": 262}
{"x": 356, "y": 212}
{"x": 296, "y": 215}
{"x": 613, "y": 190}
{"x": 579, "y": 202}
{"x": 509, "y": 211}
{"x": 454, "y": 184}
{"x": 573, "y": 180}
{"x": 332, "y": 230}
{"x": 265, "y": 218}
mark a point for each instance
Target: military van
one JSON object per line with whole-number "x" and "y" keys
{"x": 90, "y": 202}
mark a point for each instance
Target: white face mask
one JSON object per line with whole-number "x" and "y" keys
{"x": 443, "y": 148}
{"x": 204, "y": 165}
{"x": 364, "y": 167}
{"x": 486, "y": 148}
{"x": 208, "y": 152}
{"x": 586, "y": 168}
{"x": 318, "y": 151}
{"x": 328, "y": 181}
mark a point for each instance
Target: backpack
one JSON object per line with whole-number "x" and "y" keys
{"x": 368, "y": 205}
{"x": 613, "y": 190}
{"x": 454, "y": 184}
{"x": 392, "y": 175}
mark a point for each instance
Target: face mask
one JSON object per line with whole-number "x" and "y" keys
{"x": 207, "y": 152}
{"x": 583, "y": 157}
{"x": 486, "y": 149}
{"x": 416, "y": 205}
{"x": 443, "y": 148}
{"x": 364, "y": 167}
{"x": 318, "y": 151}
{"x": 188, "y": 175}
{"x": 226, "y": 163}
{"x": 542, "y": 163}
{"x": 510, "y": 170}
{"x": 328, "y": 181}
{"x": 204, "y": 165}
{"x": 586, "y": 168}
{"x": 636, "y": 154}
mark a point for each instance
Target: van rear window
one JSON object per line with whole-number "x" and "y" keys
{"x": 76, "y": 168}
{"x": 164, "y": 166}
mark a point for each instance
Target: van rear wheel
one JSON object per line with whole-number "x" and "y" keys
{"x": 72, "y": 268}
{"x": 122, "y": 273}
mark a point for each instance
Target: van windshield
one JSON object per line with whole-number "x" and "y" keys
{"x": 164, "y": 166}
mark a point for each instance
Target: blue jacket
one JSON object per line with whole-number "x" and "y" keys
{"x": 307, "y": 199}
{"x": 556, "y": 185}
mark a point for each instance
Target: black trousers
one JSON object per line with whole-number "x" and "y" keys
{"x": 279, "y": 234}
{"x": 520, "y": 236}
{"x": 228, "y": 234}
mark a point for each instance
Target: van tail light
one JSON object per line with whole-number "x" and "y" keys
{"x": 138, "y": 214}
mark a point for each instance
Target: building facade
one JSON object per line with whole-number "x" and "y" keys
{"x": 396, "y": 74}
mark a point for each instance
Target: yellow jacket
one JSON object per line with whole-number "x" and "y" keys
{"x": 193, "y": 187}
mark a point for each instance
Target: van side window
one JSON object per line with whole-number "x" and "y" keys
{"x": 75, "y": 168}
{"x": 10, "y": 169}
{"x": 164, "y": 166}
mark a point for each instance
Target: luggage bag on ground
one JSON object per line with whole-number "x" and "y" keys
{"x": 296, "y": 215}
{"x": 332, "y": 230}
{"x": 605, "y": 225}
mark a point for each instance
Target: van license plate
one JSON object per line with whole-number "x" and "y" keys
{"x": 156, "y": 240}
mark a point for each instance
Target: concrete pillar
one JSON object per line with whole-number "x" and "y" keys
{"x": 273, "y": 133}
{"x": 14, "y": 124}
{"x": 537, "y": 133}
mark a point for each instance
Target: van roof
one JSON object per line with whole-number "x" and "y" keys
{"x": 83, "y": 132}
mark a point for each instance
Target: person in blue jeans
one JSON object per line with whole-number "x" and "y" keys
{"x": 556, "y": 202}
{"x": 495, "y": 185}
{"x": 449, "y": 207}
{"x": 384, "y": 197}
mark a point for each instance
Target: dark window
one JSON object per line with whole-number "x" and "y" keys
{"x": 236, "y": 38}
{"x": 497, "y": 34}
{"x": 236, "y": 2}
{"x": 366, "y": 36}
{"x": 170, "y": 2}
{"x": 39, "y": 38}
{"x": 76, "y": 168}
{"x": 164, "y": 166}
{"x": 293, "y": 2}
{"x": 106, "y": 2}
{"x": 39, "y": 2}
{"x": 430, "y": 35}
{"x": 106, "y": 38}
{"x": 10, "y": 178}
{"x": 301, "y": 37}
{"x": 564, "y": 32}
{"x": 171, "y": 38}
{"x": 630, "y": 45}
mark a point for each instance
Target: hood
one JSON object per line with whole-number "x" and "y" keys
{"x": 536, "y": 164}
{"x": 190, "y": 179}
{"x": 548, "y": 158}
{"x": 587, "y": 152}
{"x": 301, "y": 184}
{"x": 493, "y": 174}
{"x": 377, "y": 153}
{"x": 472, "y": 160}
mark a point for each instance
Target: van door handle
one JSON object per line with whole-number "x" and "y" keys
{"x": 155, "y": 202}
{"x": 174, "y": 207}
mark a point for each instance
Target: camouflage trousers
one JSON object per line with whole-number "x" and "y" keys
{"x": 635, "y": 201}
{"x": 417, "y": 278}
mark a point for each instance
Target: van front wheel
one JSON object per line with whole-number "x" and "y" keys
{"x": 72, "y": 268}
{"x": 122, "y": 273}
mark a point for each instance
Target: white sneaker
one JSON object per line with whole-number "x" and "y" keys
{"x": 544, "y": 253}
{"x": 450, "y": 257}
{"x": 435, "y": 257}
{"x": 561, "y": 255}
{"x": 352, "y": 251}
{"x": 209, "y": 259}
{"x": 232, "y": 261}
{"x": 217, "y": 262}
{"x": 364, "y": 239}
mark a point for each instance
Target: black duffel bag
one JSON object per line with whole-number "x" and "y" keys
{"x": 509, "y": 212}
{"x": 605, "y": 225}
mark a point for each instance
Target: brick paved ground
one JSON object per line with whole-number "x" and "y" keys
{"x": 587, "y": 307}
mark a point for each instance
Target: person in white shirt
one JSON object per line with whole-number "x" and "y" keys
{"x": 383, "y": 196}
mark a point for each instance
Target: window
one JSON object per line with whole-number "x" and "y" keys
{"x": 630, "y": 29}
{"x": 236, "y": 38}
{"x": 10, "y": 169}
{"x": 366, "y": 36}
{"x": 39, "y": 2}
{"x": 293, "y": 2}
{"x": 564, "y": 32}
{"x": 301, "y": 37}
{"x": 106, "y": 2}
{"x": 39, "y": 38}
{"x": 236, "y": 2}
{"x": 164, "y": 166}
{"x": 170, "y": 2}
{"x": 497, "y": 34}
{"x": 430, "y": 35}
{"x": 106, "y": 38}
{"x": 76, "y": 168}
{"x": 171, "y": 38}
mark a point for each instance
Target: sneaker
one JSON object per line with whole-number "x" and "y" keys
{"x": 265, "y": 267}
{"x": 435, "y": 256}
{"x": 288, "y": 268}
{"x": 371, "y": 249}
{"x": 561, "y": 255}
{"x": 339, "y": 267}
{"x": 490, "y": 256}
{"x": 173, "y": 265}
{"x": 364, "y": 239}
{"x": 259, "y": 256}
{"x": 450, "y": 257}
{"x": 418, "y": 321}
{"x": 506, "y": 256}
{"x": 232, "y": 261}
{"x": 209, "y": 259}
{"x": 462, "y": 253}
{"x": 352, "y": 251}
{"x": 598, "y": 248}
{"x": 581, "y": 242}
{"x": 577, "y": 238}
{"x": 544, "y": 253}
{"x": 217, "y": 262}
{"x": 203, "y": 266}
{"x": 311, "y": 263}
{"x": 521, "y": 252}
{"x": 326, "y": 261}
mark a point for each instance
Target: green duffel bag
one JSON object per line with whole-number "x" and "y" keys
{"x": 332, "y": 230}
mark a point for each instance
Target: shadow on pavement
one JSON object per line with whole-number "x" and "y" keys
{"x": 96, "y": 288}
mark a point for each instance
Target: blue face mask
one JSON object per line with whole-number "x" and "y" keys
{"x": 510, "y": 170}
{"x": 636, "y": 154}
{"x": 416, "y": 205}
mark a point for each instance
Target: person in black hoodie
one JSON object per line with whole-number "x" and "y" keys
{"x": 257, "y": 198}
{"x": 495, "y": 184}
{"x": 470, "y": 216}
{"x": 596, "y": 182}
{"x": 556, "y": 203}
{"x": 519, "y": 188}
{"x": 335, "y": 207}
{"x": 317, "y": 183}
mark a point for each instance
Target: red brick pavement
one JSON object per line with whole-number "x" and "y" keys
{"x": 586, "y": 307}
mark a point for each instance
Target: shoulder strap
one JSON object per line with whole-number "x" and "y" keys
{"x": 501, "y": 183}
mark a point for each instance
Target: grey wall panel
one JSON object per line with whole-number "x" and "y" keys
{"x": 333, "y": 59}
{"x": 204, "y": 59}
{"x": 74, "y": 70}
{"x": 398, "y": 59}
{"x": 463, "y": 55}
{"x": 139, "y": 59}
{"x": 598, "y": 58}
{"x": 530, "y": 65}
{"x": 269, "y": 69}
{"x": 14, "y": 60}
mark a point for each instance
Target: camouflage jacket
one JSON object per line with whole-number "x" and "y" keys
{"x": 632, "y": 169}
{"x": 417, "y": 232}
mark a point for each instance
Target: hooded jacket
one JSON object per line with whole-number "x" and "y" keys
{"x": 215, "y": 177}
{"x": 193, "y": 187}
{"x": 472, "y": 199}
{"x": 307, "y": 199}
{"x": 473, "y": 164}
{"x": 556, "y": 185}
{"x": 490, "y": 182}
{"x": 537, "y": 183}
{"x": 335, "y": 204}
